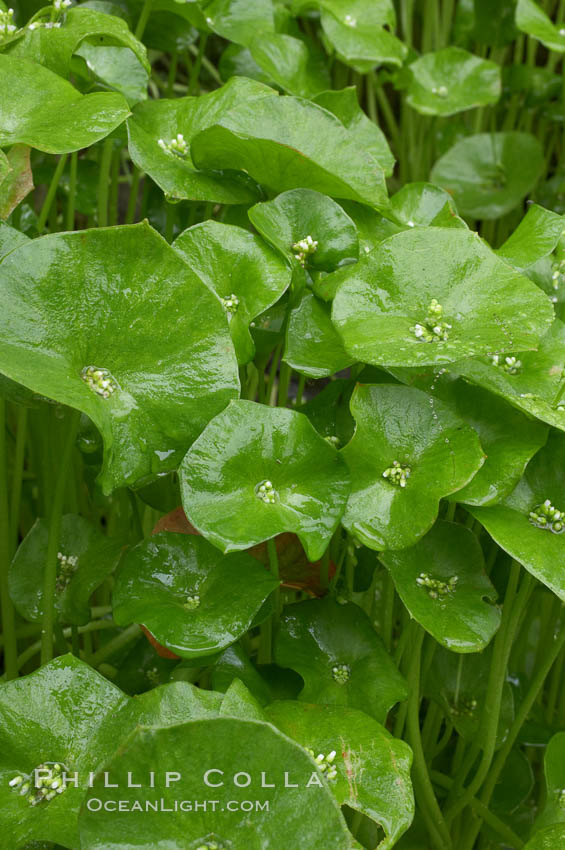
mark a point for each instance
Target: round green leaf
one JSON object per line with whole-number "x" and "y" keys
{"x": 167, "y": 705}
{"x": 41, "y": 110}
{"x": 249, "y": 446}
{"x": 313, "y": 347}
{"x": 489, "y": 174}
{"x": 443, "y": 584}
{"x": 55, "y": 715}
{"x": 541, "y": 550}
{"x": 231, "y": 261}
{"x": 484, "y": 304}
{"x": 305, "y": 816}
{"x": 240, "y": 702}
{"x": 165, "y": 118}
{"x": 422, "y": 204}
{"x": 85, "y": 558}
{"x": 438, "y": 452}
{"x": 554, "y": 768}
{"x": 289, "y": 63}
{"x": 110, "y": 299}
{"x": 339, "y": 656}
{"x": 531, "y": 19}
{"x": 535, "y": 237}
{"x": 193, "y": 599}
{"x": 547, "y": 839}
{"x": 452, "y": 80}
{"x": 287, "y": 143}
{"x": 240, "y": 20}
{"x": 372, "y": 768}
{"x": 118, "y": 69}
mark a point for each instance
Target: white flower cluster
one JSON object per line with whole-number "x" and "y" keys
{"x": 341, "y": 673}
{"x": 548, "y": 517}
{"x": 433, "y": 329}
{"x": 178, "y": 146}
{"x": 266, "y": 492}
{"x": 466, "y": 707}
{"x": 440, "y": 91}
{"x": 231, "y": 303}
{"x": 43, "y": 785}
{"x": 397, "y": 474}
{"x": 7, "y": 24}
{"x": 99, "y": 380}
{"x": 436, "y": 588}
{"x": 66, "y": 569}
{"x": 511, "y": 365}
{"x": 60, "y": 5}
{"x": 212, "y": 843}
{"x": 325, "y": 763}
{"x": 47, "y": 25}
{"x": 192, "y": 602}
{"x": 332, "y": 440}
{"x": 304, "y": 248}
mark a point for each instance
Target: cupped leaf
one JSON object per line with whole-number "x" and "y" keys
{"x": 532, "y": 19}
{"x": 533, "y": 382}
{"x": 547, "y": 839}
{"x": 535, "y": 237}
{"x": 435, "y": 295}
{"x": 554, "y": 768}
{"x": 17, "y": 181}
{"x": 339, "y": 656}
{"x": 406, "y": 454}
{"x": 452, "y": 80}
{"x": 329, "y": 411}
{"x": 344, "y": 104}
{"x": 240, "y": 702}
{"x": 521, "y": 524}
{"x": 236, "y": 753}
{"x": 443, "y": 584}
{"x": 423, "y": 204}
{"x": 167, "y": 705}
{"x": 117, "y": 68}
{"x": 193, "y": 599}
{"x": 277, "y": 474}
{"x": 175, "y": 172}
{"x": 104, "y": 304}
{"x": 40, "y": 109}
{"x": 313, "y": 347}
{"x": 233, "y": 262}
{"x": 240, "y": 20}
{"x": 85, "y": 558}
{"x": 289, "y": 63}
{"x": 372, "y": 769}
{"x": 54, "y": 716}
{"x": 287, "y": 143}
{"x": 489, "y": 174}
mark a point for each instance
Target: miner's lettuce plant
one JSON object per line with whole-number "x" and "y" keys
{"x": 282, "y": 425}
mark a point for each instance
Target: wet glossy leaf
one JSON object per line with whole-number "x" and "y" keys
{"x": 240, "y": 20}
{"x": 452, "y": 80}
{"x": 233, "y": 262}
{"x": 534, "y": 383}
{"x": 531, "y": 19}
{"x": 249, "y": 446}
{"x": 289, "y": 63}
{"x": 554, "y": 768}
{"x": 329, "y": 411}
{"x": 373, "y": 768}
{"x": 547, "y": 839}
{"x": 339, "y": 656}
{"x": 345, "y": 106}
{"x": 39, "y": 109}
{"x": 422, "y": 204}
{"x": 383, "y": 303}
{"x": 108, "y": 300}
{"x": 17, "y": 182}
{"x": 287, "y": 143}
{"x": 443, "y": 584}
{"x": 85, "y": 559}
{"x": 231, "y": 746}
{"x": 167, "y": 705}
{"x": 233, "y": 665}
{"x": 117, "y": 68}
{"x": 313, "y": 347}
{"x": 489, "y": 174}
{"x": 193, "y": 599}
{"x": 240, "y": 702}
{"x": 435, "y": 454}
{"x": 54, "y": 715}
{"x": 164, "y": 119}
{"x": 535, "y": 237}
{"x": 541, "y": 550}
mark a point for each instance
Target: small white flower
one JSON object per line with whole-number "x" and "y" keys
{"x": 304, "y": 248}
{"x": 266, "y": 492}
{"x": 341, "y": 673}
{"x": 99, "y": 380}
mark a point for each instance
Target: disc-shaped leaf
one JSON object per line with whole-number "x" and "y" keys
{"x": 388, "y": 305}
{"x": 193, "y": 599}
{"x": 372, "y": 768}
{"x": 531, "y": 19}
{"x": 452, "y": 80}
{"x": 85, "y": 558}
{"x": 339, "y": 656}
{"x": 554, "y": 768}
{"x": 534, "y": 382}
{"x": 55, "y": 715}
{"x": 116, "y": 68}
{"x": 167, "y": 705}
{"x": 422, "y": 204}
{"x": 289, "y": 63}
{"x": 406, "y": 454}
{"x": 535, "y": 237}
{"x": 234, "y": 262}
{"x": 240, "y": 20}
{"x": 313, "y": 346}
{"x": 538, "y": 545}
{"x": 443, "y": 584}
{"x": 547, "y": 839}
{"x": 248, "y": 447}
{"x": 287, "y": 143}
{"x": 237, "y": 752}
{"x": 175, "y": 172}
{"x": 105, "y": 304}
{"x": 40, "y": 109}
{"x": 489, "y": 174}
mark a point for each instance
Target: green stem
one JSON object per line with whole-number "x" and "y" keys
{"x": 70, "y": 217}
{"x": 8, "y": 614}
{"x": 193, "y": 83}
{"x": 51, "y": 192}
{"x": 133, "y": 193}
{"x": 103, "y": 181}
{"x": 57, "y": 499}
{"x": 114, "y": 645}
{"x": 285, "y": 374}
{"x": 143, "y": 18}
{"x": 17, "y": 479}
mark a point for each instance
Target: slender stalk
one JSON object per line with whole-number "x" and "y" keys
{"x": 17, "y": 478}
{"x": 103, "y": 181}
{"x": 8, "y": 614}
{"x": 143, "y": 18}
{"x": 51, "y": 192}
{"x": 70, "y": 215}
{"x": 114, "y": 645}
{"x": 133, "y": 193}
{"x": 193, "y": 83}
